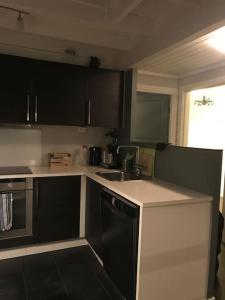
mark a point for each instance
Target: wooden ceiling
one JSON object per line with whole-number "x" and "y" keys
{"x": 188, "y": 58}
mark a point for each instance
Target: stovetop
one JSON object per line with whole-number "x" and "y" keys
{"x": 15, "y": 170}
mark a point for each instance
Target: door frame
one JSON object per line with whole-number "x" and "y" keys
{"x": 173, "y": 92}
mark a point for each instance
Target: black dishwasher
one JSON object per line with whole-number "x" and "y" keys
{"x": 120, "y": 241}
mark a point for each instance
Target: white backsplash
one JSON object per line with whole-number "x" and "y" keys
{"x": 69, "y": 139}
{"x": 19, "y": 146}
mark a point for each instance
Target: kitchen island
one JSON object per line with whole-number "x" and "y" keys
{"x": 173, "y": 232}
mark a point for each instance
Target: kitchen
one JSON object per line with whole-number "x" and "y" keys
{"x": 41, "y": 73}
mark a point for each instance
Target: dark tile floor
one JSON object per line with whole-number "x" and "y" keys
{"x": 70, "y": 274}
{"x": 220, "y": 289}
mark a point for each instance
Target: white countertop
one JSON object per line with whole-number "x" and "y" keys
{"x": 56, "y": 171}
{"x": 151, "y": 192}
{"x": 141, "y": 192}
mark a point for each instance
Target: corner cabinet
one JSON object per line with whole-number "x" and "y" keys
{"x": 56, "y": 208}
{"x": 104, "y": 98}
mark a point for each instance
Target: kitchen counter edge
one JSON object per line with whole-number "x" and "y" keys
{"x": 135, "y": 191}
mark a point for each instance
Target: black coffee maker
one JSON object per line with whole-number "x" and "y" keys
{"x": 94, "y": 156}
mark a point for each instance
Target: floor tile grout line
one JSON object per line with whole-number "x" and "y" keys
{"x": 61, "y": 278}
{"x": 24, "y": 280}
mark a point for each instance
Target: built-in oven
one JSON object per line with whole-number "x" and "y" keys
{"x": 19, "y": 191}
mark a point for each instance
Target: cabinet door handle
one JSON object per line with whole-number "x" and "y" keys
{"x": 37, "y": 194}
{"x": 124, "y": 99}
{"x": 89, "y": 112}
{"x": 36, "y": 110}
{"x": 28, "y": 108}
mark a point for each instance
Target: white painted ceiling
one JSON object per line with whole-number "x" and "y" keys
{"x": 120, "y": 32}
{"x": 186, "y": 59}
{"x": 118, "y": 24}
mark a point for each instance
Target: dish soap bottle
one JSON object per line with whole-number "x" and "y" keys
{"x": 83, "y": 155}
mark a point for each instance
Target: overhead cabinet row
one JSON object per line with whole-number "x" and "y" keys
{"x": 41, "y": 92}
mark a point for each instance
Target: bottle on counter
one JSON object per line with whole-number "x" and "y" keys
{"x": 83, "y": 155}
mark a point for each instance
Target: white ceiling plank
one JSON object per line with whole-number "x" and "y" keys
{"x": 119, "y": 10}
{"x": 100, "y": 6}
{"x": 191, "y": 57}
{"x": 186, "y": 3}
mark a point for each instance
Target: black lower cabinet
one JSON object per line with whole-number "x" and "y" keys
{"x": 120, "y": 220}
{"x": 56, "y": 208}
{"x": 112, "y": 225}
{"x": 93, "y": 226}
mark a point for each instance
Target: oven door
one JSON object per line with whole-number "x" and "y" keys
{"x": 22, "y": 207}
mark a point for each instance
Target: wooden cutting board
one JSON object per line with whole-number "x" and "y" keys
{"x": 147, "y": 161}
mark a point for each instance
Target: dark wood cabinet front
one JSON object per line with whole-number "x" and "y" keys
{"x": 59, "y": 94}
{"x": 40, "y": 92}
{"x": 93, "y": 220}
{"x": 15, "y": 91}
{"x": 56, "y": 208}
{"x": 104, "y": 98}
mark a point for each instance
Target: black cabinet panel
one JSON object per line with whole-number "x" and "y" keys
{"x": 59, "y": 94}
{"x": 42, "y": 92}
{"x": 15, "y": 91}
{"x": 104, "y": 96}
{"x": 93, "y": 226}
{"x": 56, "y": 208}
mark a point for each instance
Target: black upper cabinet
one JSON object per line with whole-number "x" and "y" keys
{"x": 41, "y": 92}
{"x": 15, "y": 91}
{"x": 104, "y": 98}
{"x": 59, "y": 94}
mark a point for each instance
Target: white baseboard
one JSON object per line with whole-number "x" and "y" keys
{"x": 34, "y": 249}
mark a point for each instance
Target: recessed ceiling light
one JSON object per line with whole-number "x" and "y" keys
{"x": 217, "y": 40}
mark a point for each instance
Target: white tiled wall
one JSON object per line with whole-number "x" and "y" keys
{"x": 20, "y": 146}
{"x": 69, "y": 139}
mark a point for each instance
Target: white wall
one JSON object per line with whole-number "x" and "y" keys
{"x": 20, "y": 146}
{"x": 52, "y": 49}
{"x": 153, "y": 80}
{"x": 69, "y": 139}
{"x": 213, "y": 76}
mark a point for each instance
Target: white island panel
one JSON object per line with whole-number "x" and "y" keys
{"x": 173, "y": 255}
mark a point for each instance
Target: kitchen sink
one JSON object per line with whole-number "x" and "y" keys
{"x": 119, "y": 176}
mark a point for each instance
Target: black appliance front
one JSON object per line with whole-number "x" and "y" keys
{"x": 94, "y": 156}
{"x": 120, "y": 242}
